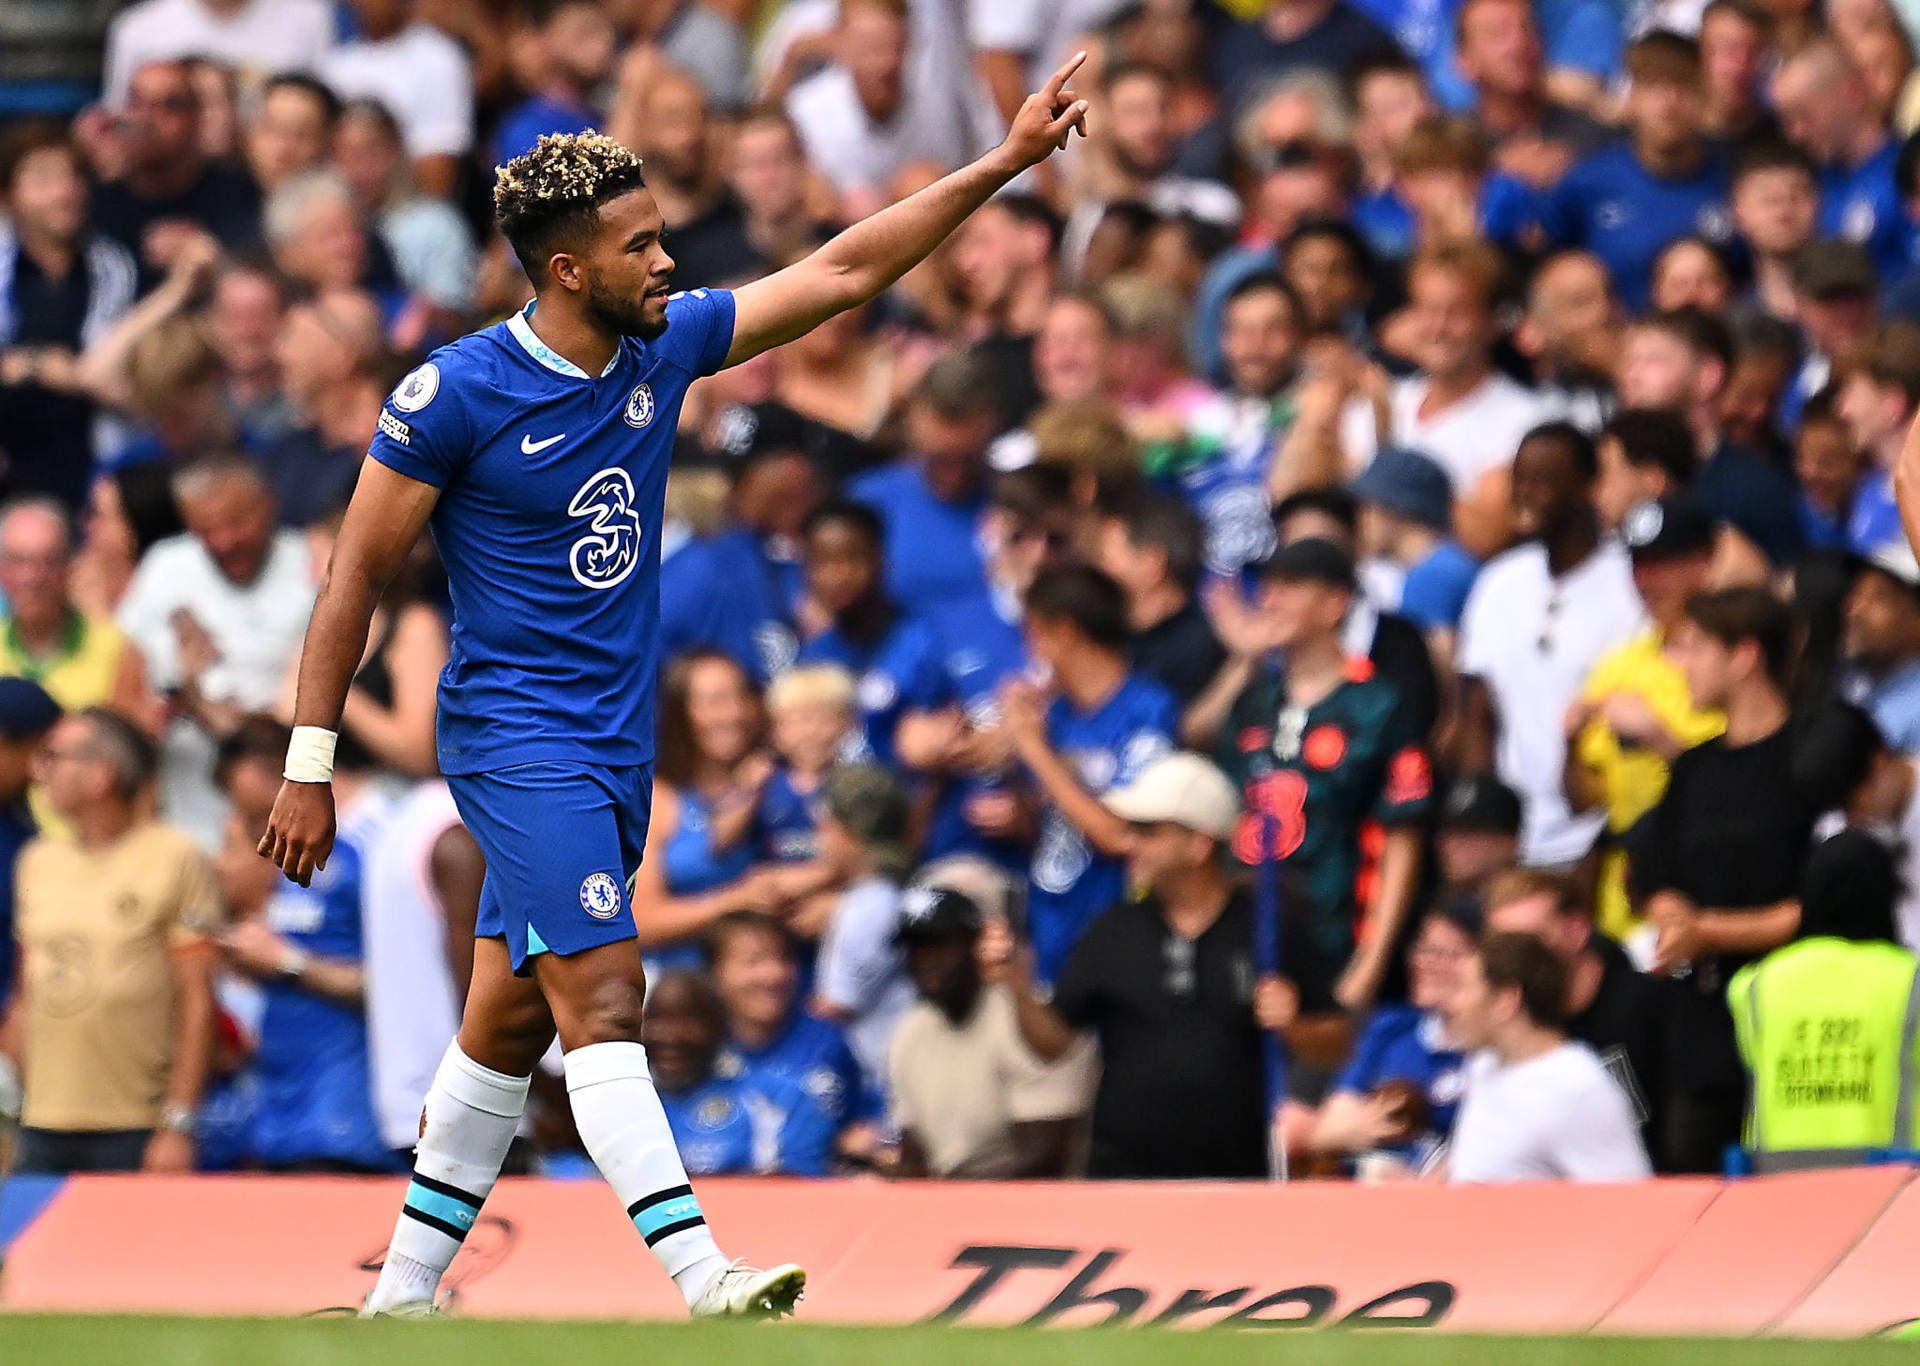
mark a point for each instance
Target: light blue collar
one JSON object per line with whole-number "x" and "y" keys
{"x": 523, "y": 333}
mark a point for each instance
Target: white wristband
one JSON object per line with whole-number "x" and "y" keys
{"x": 310, "y": 755}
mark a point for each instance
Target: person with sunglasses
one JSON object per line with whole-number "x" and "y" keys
{"x": 1540, "y": 617}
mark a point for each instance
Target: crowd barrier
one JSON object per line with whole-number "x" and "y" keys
{"x": 1829, "y": 1254}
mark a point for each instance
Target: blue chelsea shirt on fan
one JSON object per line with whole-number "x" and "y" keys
{"x": 552, "y": 482}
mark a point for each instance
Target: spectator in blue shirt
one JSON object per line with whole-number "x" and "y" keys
{"x": 725, "y": 1125}
{"x": 1101, "y": 727}
{"x": 1824, "y": 108}
{"x": 893, "y": 658}
{"x": 1504, "y": 61}
{"x": 26, "y": 715}
{"x": 573, "y": 41}
{"x": 1332, "y": 35}
{"x": 1663, "y": 181}
{"x": 1879, "y": 389}
{"x": 1577, "y": 41}
{"x": 734, "y": 590}
{"x": 1829, "y": 467}
{"x": 931, "y": 501}
{"x": 1443, "y": 189}
{"x": 1394, "y": 1102}
{"x": 960, "y": 743}
{"x": 1882, "y": 644}
{"x": 755, "y": 964}
{"x": 315, "y": 1105}
{"x": 1406, "y": 524}
{"x": 813, "y": 724}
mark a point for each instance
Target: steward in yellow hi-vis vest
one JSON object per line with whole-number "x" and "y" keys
{"x": 1827, "y": 1024}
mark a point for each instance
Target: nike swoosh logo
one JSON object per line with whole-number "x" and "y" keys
{"x": 531, "y": 447}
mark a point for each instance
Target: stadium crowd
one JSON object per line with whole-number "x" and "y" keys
{"x": 1389, "y": 547}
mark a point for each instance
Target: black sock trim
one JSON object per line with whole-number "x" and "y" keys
{"x": 671, "y": 1229}
{"x": 452, "y": 1192}
{"x": 459, "y": 1235}
{"x": 658, "y": 1197}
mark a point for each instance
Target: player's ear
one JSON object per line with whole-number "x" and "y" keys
{"x": 563, "y": 268}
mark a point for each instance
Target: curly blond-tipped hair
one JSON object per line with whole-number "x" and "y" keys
{"x": 553, "y": 191}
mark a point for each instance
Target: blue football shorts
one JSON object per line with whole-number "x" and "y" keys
{"x": 561, "y": 840}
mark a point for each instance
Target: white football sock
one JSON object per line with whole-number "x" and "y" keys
{"x": 624, "y": 1128}
{"x": 472, "y": 1113}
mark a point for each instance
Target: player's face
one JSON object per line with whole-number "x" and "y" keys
{"x": 627, "y": 271}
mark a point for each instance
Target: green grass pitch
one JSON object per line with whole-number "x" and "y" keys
{"x": 81, "y": 1341}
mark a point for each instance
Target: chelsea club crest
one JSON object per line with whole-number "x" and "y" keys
{"x": 600, "y": 896}
{"x": 639, "y": 406}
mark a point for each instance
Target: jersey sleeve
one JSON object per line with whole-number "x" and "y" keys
{"x": 1406, "y": 785}
{"x": 424, "y": 430}
{"x": 699, "y": 330}
{"x": 197, "y": 915}
{"x": 1362, "y": 1072}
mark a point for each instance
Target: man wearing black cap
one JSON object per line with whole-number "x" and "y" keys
{"x": 1634, "y": 714}
{"x": 1478, "y": 835}
{"x": 970, "y": 1098}
{"x": 1825, "y": 1025}
{"x": 1322, "y": 749}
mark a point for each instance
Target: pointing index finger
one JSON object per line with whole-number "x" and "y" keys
{"x": 1058, "y": 81}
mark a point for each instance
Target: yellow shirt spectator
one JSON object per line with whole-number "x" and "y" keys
{"x": 1632, "y": 777}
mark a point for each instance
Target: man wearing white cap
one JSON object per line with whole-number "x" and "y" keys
{"x": 1166, "y": 983}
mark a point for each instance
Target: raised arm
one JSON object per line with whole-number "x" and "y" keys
{"x": 1906, "y": 485}
{"x": 873, "y": 253}
{"x": 383, "y": 521}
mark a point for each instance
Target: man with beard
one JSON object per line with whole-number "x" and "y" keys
{"x": 539, "y": 447}
{"x": 669, "y": 125}
{"x": 970, "y": 1098}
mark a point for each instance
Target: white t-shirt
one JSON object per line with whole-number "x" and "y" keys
{"x": 854, "y": 152}
{"x": 1479, "y": 433}
{"x": 424, "y": 79}
{"x": 1044, "y": 34}
{"x": 1533, "y": 639}
{"x": 412, "y": 1007}
{"x": 257, "y": 628}
{"x": 260, "y": 39}
{"x": 1558, "y": 1117}
{"x": 862, "y": 971}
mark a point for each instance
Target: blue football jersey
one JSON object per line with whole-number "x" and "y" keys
{"x": 898, "y": 673}
{"x": 979, "y": 649}
{"x": 552, "y": 483}
{"x": 933, "y": 549}
{"x": 1862, "y": 204}
{"x": 1105, "y": 748}
{"x": 812, "y": 1054}
{"x": 1624, "y": 214}
{"x": 786, "y": 828}
{"x": 728, "y": 1126}
{"x": 314, "y": 1097}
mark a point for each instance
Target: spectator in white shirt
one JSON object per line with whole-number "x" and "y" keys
{"x": 219, "y": 614}
{"x": 861, "y": 120}
{"x": 1018, "y": 43}
{"x": 1458, "y": 409}
{"x": 258, "y": 38}
{"x": 420, "y": 74}
{"x": 1536, "y": 1107}
{"x": 860, "y": 979}
{"x": 1539, "y": 618}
